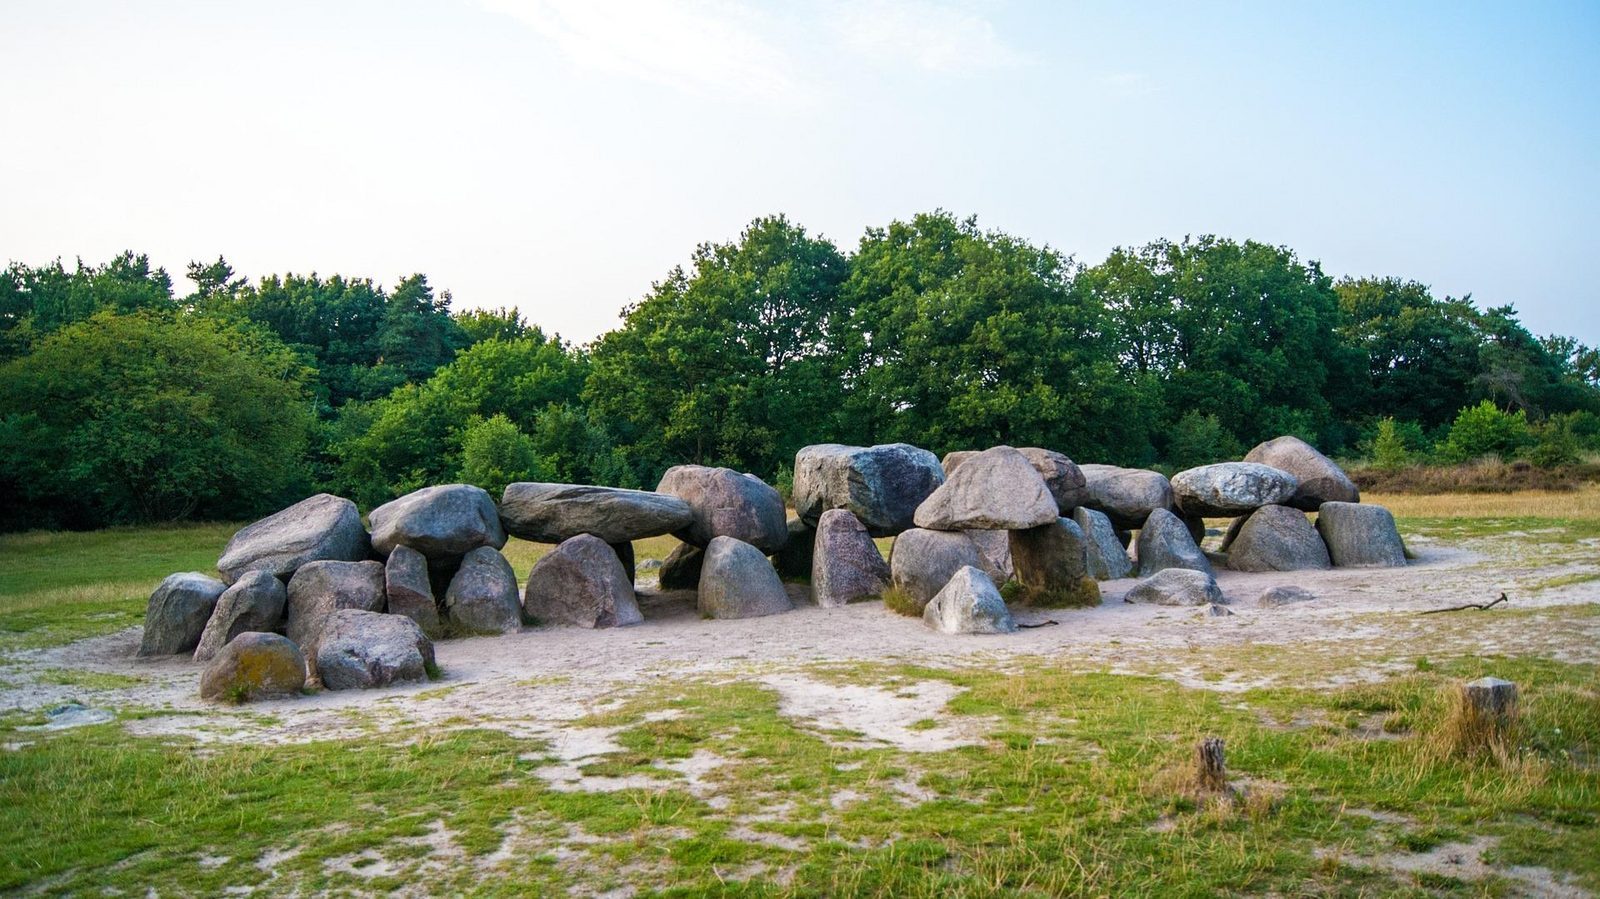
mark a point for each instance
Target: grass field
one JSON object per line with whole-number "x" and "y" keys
{"x": 1076, "y": 782}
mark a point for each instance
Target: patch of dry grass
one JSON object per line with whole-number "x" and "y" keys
{"x": 1583, "y": 503}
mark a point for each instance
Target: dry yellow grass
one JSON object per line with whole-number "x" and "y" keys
{"x": 1583, "y": 503}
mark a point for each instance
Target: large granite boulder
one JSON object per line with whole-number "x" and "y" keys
{"x": 1107, "y": 557}
{"x": 1277, "y": 538}
{"x": 996, "y": 549}
{"x": 680, "y": 570}
{"x": 1360, "y": 536}
{"x": 968, "y": 604}
{"x": 1321, "y": 481}
{"x": 727, "y": 504}
{"x": 1231, "y": 488}
{"x": 581, "y": 583}
{"x": 553, "y": 513}
{"x": 921, "y": 562}
{"x": 177, "y": 613}
{"x": 737, "y": 581}
{"x": 1127, "y": 496}
{"x": 359, "y": 650}
{"x": 1062, "y": 477}
{"x": 482, "y": 597}
{"x": 998, "y": 489}
{"x": 1051, "y": 565}
{"x": 322, "y": 587}
{"x": 322, "y": 527}
{"x": 882, "y": 486}
{"x": 1177, "y": 587}
{"x": 443, "y": 523}
{"x": 846, "y": 565}
{"x": 409, "y": 589}
{"x": 1165, "y": 542}
{"x": 953, "y": 460}
{"x": 255, "y": 602}
{"x": 794, "y": 560}
{"x": 254, "y": 665}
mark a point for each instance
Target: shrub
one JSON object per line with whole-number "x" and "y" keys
{"x": 1389, "y": 449}
{"x": 1484, "y": 430}
{"x": 1556, "y": 444}
{"x": 494, "y": 453}
{"x": 1200, "y": 440}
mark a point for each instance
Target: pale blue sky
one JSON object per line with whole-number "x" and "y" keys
{"x": 561, "y": 155}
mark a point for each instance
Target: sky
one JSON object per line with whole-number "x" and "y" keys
{"x": 561, "y": 155}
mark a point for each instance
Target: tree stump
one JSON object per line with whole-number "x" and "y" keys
{"x": 1489, "y": 710}
{"x": 1211, "y": 765}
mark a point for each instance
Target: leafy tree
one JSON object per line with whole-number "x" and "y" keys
{"x": 1485, "y": 430}
{"x": 495, "y": 453}
{"x": 488, "y": 324}
{"x": 418, "y": 333}
{"x": 1200, "y": 440}
{"x": 38, "y": 301}
{"x": 1389, "y": 450}
{"x": 1555, "y": 443}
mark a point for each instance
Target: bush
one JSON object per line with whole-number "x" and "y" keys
{"x": 1484, "y": 430}
{"x": 1200, "y": 440}
{"x": 1556, "y": 444}
{"x": 495, "y": 453}
{"x": 1389, "y": 450}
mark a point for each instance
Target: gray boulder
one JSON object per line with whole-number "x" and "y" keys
{"x": 737, "y": 581}
{"x": 921, "y": 562}
{"x": 255, "y": 602}
{"x": 1165, "y": 542}
{"x": 1052, "y": 565}
{"x": 680, "y": 570}
{"x": 482, "y": 597}
{"x": 443, "y": 523}
{"x": 581, "y": 583}
{"x": 1277, "y": 538}
{"x": 727, "y": 504}
{"x": 968, "y": 604}
{"x": 846, "y": 565}
{"x": 1321, "y": 481}
{"x": 360, "y": 650}
{"x": 1177, "y": 587}
{"x": 554, "y": 513}
{"x": 1360, "y": 536}
{"x": 409, "y": 590}
{"x": 998, "y": 489}
{"x": 1283, "y": 595}
{"x": 1231, "y": 488}
{"x": 794, "y": 560}
{"x": 882, "y": 486}
{"x": 177, "y": 613}
{"x": 322, "y": 527}
{"x": 996, "y": 549}
{"x": 254, "y": 665}
{"x": 1107, "y": 557}
{"x": 1127, "y": 496}
{"x": 322, "y": 587}
{"x": 1062, "y": 477}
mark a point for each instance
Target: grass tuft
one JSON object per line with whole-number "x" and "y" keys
{"x": 900, "y": 602}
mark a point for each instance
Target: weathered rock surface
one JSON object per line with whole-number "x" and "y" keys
{"x": 1321, "y": 481}
{"x": 482, "y": 597}
{"x": 255, "y": 602}
{"x": 680, "y": 570}
{"x": 1283, "y": 595}
{"x": 968, "y": 604}
{"x": 1127, "y": 496}
{"x": 254, "y": 665}
{"x": 846, "y": 565}
{"x": 737, "y": 581}
{"x": 177, "y": 613}
{"x": 794, "y": 560}
{"x": 554, "y": 513}
{"x": 1231, "y": 488}
{"x": 953, "y": 460}
{"x": 322, "y": 587}
{"x": 921, "y": 562}
{"x": 1052, "y": 565}
{"x": 1277, "y": 538}
{"x": 727, "y": 504}
{"x": 409, "y": 590}
{"x": 1062, "y": 477}
{"x": 1360, "y": 536}
{"x": 581, "y": 583}
{"x": 1107, "y": 557}
{"x": 1177, "y": 587}
{"x": 443, "y": 522}
{"x": 359, "y": 650}
{"x": 882, "y": 486}
{"x": 998, "y": 489}
{"x": 321, "y": 527}
{"x": 1165, "y": 542}
{"x": 996, "y": 549}
{"x": 625, "y": 555}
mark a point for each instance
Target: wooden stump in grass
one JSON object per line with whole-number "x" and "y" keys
{"x": 1211, "y": 765}
{"x": 1489, "y": 710}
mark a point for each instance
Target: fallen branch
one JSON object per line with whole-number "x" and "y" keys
{"x": 1046, "y": 623}
{"x": 1480, "y": 606}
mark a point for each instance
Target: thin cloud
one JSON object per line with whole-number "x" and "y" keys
{"x": 937, "y": 37}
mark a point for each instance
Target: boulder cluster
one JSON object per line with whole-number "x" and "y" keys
{"x": 312, "y": 594}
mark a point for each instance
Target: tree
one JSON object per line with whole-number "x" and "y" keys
{"x": 1389, "y": 449}
{"x": 487, "y": 324}
{"x": 1485, "y": 430}
{"x": 495, "y": 453}
{"x": 38, "y": 301}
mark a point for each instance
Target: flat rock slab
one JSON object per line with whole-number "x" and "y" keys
{"x": 1321, "y": 480}
{"x": 727, "y": 504}
{"x": 1231, "y": 488}
{"x": 1360, "y": 536}
{"x": 968, "y": 604}
{"x": 737, "y": 581}
{"x": 1277, "y": 538}
{"x": 1177, "y": 587}
{"x": 554, "y": 513}
{"x": 254, "y": 665}
{"x": 443, "y": 523}
{"x": 581, "y": 583}
{"x": 846, "y": 565}
{"x": 882, "y": 486}
{"x": 177, "y": 613}
{"x": 360, "y": 650}
{"x": 255, "y": 602}
{"x": 998, "y": 489}
{"x": 1127, "y": 496}
{"x": 321, "y": 527}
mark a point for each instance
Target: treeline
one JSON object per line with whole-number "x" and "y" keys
{"x": 121, "y": 400}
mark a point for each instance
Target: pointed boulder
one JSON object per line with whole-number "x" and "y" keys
{"x": 581, "y": 583}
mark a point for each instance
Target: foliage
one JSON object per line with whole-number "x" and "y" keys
{"x": 1555, "y": 443}
{"x": 1485, "y": 430}
{"x": 1200, "y": 440}
{"x": 495, "y": 453}
{"x": 1389, "y": 448}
